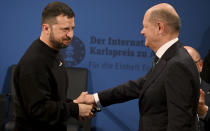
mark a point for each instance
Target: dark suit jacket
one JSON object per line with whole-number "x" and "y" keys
{"x": 205, "y": 123}
{"x": 205, "y": 74}
{"x": 168, "y": 95}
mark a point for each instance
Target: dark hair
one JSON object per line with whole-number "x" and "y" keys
{"x": 54, "y": 9}
{"x": 172, "y": 20}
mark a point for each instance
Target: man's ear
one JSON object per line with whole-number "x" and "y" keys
{"x": 161, "y": 27}
{"x": 46, "y": 28}
{"x": 201, "y": 65}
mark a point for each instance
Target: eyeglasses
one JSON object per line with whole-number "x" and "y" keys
{"x": 197, "y": 61}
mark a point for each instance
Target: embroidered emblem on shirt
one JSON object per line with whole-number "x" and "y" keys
{"x": 60, "y": 63}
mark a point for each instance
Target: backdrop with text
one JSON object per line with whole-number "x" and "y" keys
{"x": 107, "y": 41}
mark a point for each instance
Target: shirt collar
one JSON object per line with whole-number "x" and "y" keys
{"x": 165, "y": 47}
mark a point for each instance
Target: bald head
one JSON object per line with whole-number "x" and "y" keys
{"x": 166, "y": 13}
{"x": 195, "y": 56}
{"x": 193, "y": 53}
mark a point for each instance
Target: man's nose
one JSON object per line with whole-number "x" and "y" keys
{"x": 70, "y": 34}
{"x": 142, "y": 32}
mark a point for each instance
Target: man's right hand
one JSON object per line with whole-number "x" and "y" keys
{"x": 85, "y": 111}
{"x": 202, "y": 107}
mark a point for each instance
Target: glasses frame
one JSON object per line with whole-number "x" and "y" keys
{"x": 197, "y": 60}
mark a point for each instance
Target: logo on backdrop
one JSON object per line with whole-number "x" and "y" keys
{"x": 74, "y": 53}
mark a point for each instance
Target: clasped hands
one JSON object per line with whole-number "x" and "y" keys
{"x": 87, "y": 105}
{"x": 202, "y": 107}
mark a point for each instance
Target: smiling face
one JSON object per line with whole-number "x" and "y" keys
{"x": 149, "y": 31}
{"x": 161, "y": 24}
{"x": 61, "y": 33}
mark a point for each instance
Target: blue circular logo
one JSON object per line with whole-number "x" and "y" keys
{"x": 74, "y": 53}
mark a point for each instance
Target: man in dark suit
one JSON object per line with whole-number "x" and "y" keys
{"x": 205, "y": 74}
{"x": 168, "y": 94}
{"x": 204, "y": 101}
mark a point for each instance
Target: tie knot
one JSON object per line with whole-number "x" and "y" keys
{"x": 155, "y": 59}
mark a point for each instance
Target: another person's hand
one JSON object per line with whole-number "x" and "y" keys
{"x": 85, "y": 98}
{"x": 202, "y": 108}
{"x": 85, "y": 111}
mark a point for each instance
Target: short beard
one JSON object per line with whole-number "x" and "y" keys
{"x": 56, "y": 43}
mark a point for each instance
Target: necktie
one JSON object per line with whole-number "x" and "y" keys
{"x": 155, "y": 60}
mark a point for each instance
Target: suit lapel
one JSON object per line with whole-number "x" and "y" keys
{"x": 159, "y": 67}
{"x": 153, "y": 75}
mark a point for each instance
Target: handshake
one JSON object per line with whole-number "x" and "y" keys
{"x": 87, "y": 106}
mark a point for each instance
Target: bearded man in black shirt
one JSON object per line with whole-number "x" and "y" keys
{"x": 41, "y": 78}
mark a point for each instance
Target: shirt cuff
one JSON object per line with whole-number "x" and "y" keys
{"x": 95, "y": 95}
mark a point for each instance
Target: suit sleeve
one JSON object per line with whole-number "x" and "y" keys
{"x": 206, "y": 88}
{"x": 182, "y": 90}
{"x": 125, "y": 92}
{"x": 206, "y": 120}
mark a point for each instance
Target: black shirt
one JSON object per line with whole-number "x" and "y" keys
{"x": 41, "y": 85}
